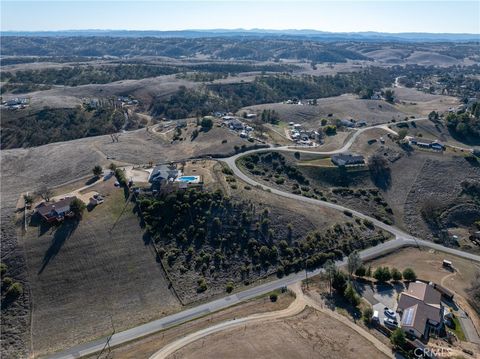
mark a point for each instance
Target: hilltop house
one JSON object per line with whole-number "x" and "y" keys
{"x": 162, "y": 174}
{"x": 348, "y": 159}
{"x": 437, "y": 146}
{"x": 234, "y": 124}
{"x": 347, "y": 123}
{"x": 55, "y": 211}
{"x": 421, "y": 310}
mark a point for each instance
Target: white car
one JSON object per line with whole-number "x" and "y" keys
{"x": 389, "y": 313}
{"x": 389, "y": 322}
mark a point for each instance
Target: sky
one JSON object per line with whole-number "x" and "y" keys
{"x": 335, "y": 16}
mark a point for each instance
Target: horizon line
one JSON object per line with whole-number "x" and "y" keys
{"x": 250, "y": 30}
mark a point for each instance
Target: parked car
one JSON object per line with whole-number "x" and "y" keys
{"x": 389, "y": 322}
{"x": 389, "y": 313}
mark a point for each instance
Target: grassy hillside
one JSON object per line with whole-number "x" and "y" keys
{"x": 26, "y": 129}
{"x": 81, "y": 274}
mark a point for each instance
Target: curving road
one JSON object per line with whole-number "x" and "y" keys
{"x": 297, "y": 306}
{"x": 402, "y": 239}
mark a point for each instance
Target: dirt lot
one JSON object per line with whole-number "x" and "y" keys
{"x": 145, "y": 347}
{"x": 79, "y": 276}
{"x": 421, "y": 104}
{"x": 427, "y": 264}
{"x": 307, "y": 335}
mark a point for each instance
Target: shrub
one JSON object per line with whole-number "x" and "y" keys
{"x": 3, "y": 269}
{"x": 229, "y": 287}
{"x": 367, "y": 223}
{"x": 339, "y": 282}
{"x": 351, "y": 295}
{"x": 367, "y": 315}
{"x": 202, "y": 285}
{"x": 227, "y": 171}
{"x": 15, "y": 290}
{"x": 97, "y": 171}
{"x": 206, "y": 124}
{"x": 409, "y": 274}
{"x": 121, "y": 177}
{"x": 360, "y": 272}
{"x": 28, "y": 199}
{"x": 330, "y": 130}
{"x": 77, "y": 207}
{"x": 396, "y": 274}
{"x": 7, "y": 282}
{"x": 273, "y": 297}
{"x": 398, "y": 338}
{"x": 382, "y": 274}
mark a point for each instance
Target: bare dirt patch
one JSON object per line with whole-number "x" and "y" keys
{"x": 144, "y": 348}
{"x": 427, "y": 264}
{"x": 309, "y": 334}
{"x": 439, "y": 180}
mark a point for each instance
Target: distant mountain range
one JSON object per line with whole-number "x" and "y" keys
{"x": 259, "y": 33}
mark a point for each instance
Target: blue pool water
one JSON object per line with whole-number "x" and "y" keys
{"x": 188, "y": 178}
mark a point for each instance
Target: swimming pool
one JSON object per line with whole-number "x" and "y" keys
{"x": 189, "y": 179}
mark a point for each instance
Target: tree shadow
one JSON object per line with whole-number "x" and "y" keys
{"x": 36, "y": 221}
{"x": 66, "y": 229}
{"x": 337, "y": 301}
{"x": 8, "y": 300}
{"x": 382, "y": 180}
{"x": 407, "y": 148}
{"x": 91, "y": 180}
{"x": 147, "y": 238}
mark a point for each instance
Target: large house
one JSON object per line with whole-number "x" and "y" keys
{"x": 162, "y": 174}
{"x": 55, "y": 211}
{"x": 437, "y": 146}
{"x": 421, "y": 310}
{"x": 348, "y": 159}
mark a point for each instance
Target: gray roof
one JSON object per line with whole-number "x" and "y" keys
{"x": 163, "y": 172}
{"x": 345, "y": 159}
{"x": 53, "y": 209}
{"x": 420, "y": 303}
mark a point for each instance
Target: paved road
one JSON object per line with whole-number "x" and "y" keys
{"x": 222, "y": 303}
{"x": 297, "y": 306}
{"x": 468, "y": 328}
{"x": 402, "y": 239}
